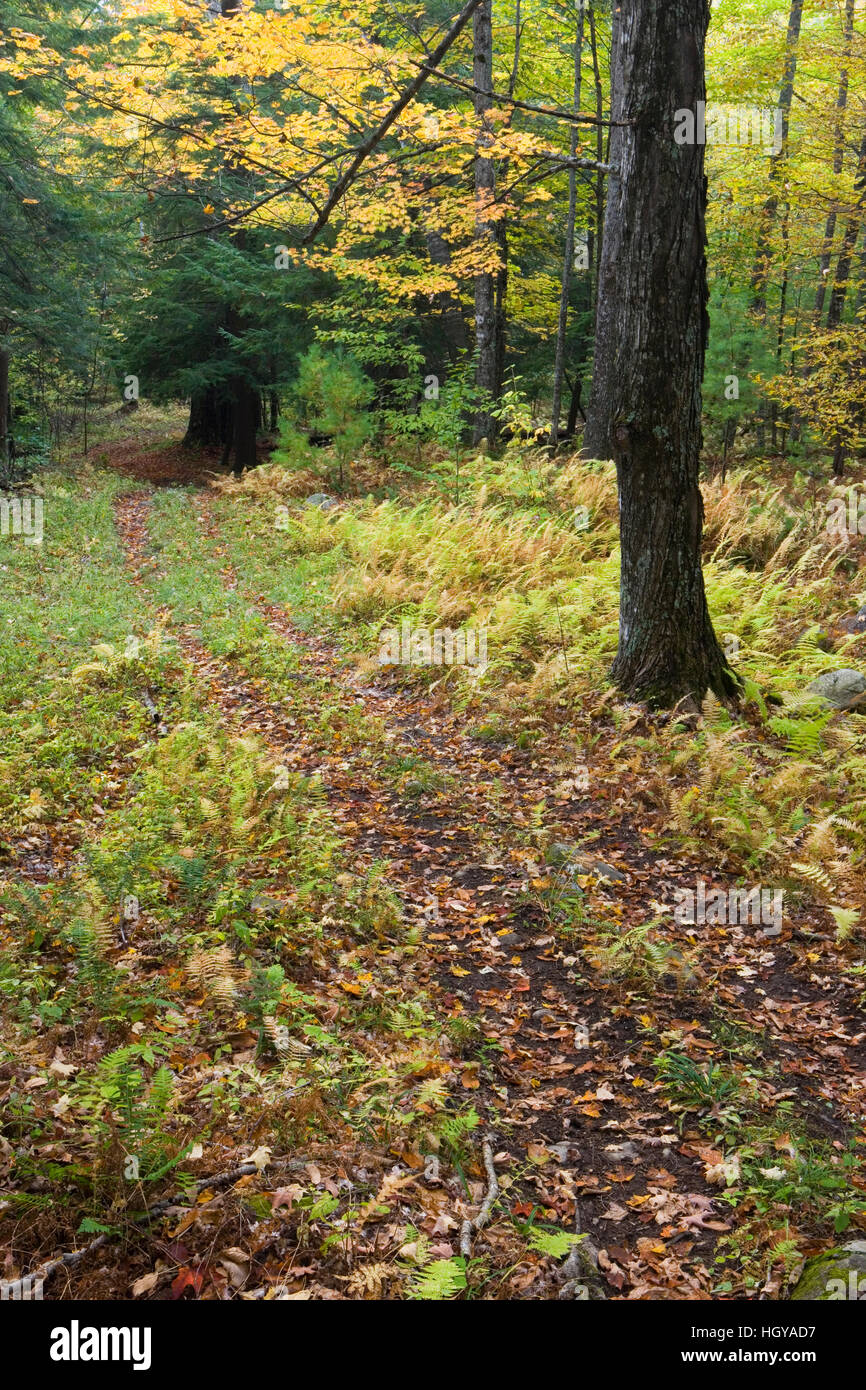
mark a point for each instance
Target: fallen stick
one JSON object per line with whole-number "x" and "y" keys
{"x": 581, "y": 1272}
{"x": 469, "y": 1227}
{"x": 18, "y": 1289}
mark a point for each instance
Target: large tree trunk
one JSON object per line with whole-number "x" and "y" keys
{"x": 207, "y": 420}
{"x": 486, "y": 317}
{"x": 246, "y": 413}
{"x": 650, "y": 353}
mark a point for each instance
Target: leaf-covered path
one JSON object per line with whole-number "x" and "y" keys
{"x": 564, "y": 1080}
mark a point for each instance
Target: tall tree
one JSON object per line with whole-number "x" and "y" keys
{"x": 486, "y": 317}
{"x": 652, "y": 334}
{"x": 838, "y": 158}
{"x": 769, "y": 212}
{"x": 849, "y": 242}
{"x": 568, "y": 261}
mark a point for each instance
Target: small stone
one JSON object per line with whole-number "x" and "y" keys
{"x": 271, "y": 907}
{"x": 510, "y": 939}
{"x": 564, "y": 1151}
{"x": 618, "y": 1153}
{"x": 322, "y": 501}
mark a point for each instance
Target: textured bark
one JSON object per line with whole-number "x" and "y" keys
{"x": 486, "y": 345}
{"x": 650, "y": 356}
{"x": 208, "y": 420}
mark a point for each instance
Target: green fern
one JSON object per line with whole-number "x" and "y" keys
{"x": 439, "y": 1281}
{"x": 556, "y": 1244}
{"x": 803, "y": 736}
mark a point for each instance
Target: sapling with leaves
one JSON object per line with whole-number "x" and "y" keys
{"x": 332, "y": 395}
{"x": 448, "y": 412}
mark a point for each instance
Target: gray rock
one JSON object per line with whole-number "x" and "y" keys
{"x": 572, "y": 861}
{"x": 564, "y": 1151}
{"x": 838, "y": 688}
{"x": 608, "y": 871}
{"x": 322, "y": 501}
{"x": 271, "y": 907}
{"x": 559, "y": 853}
{"x": 836, "y": 1275}
{"x": 618, "y": 1153}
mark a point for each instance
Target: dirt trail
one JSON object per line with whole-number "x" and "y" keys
{"x": 569, "y": 1094}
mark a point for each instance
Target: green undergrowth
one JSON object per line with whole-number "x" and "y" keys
{"x": 206, "y": 961}
{"x": 531, "y": 557}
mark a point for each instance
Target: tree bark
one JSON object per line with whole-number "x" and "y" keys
{"x": 246, "y": 412}
{"x": 650, "y": 355}
{"x": 207, "y": 420}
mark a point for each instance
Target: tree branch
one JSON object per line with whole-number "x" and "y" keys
{"x": 368, "y": 145}
{"x": 556, "y": 112}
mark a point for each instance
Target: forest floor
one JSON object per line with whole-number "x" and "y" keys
{"x": 309, "y": 952}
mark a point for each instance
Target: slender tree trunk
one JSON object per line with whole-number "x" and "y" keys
{"x": 4, "y": 407}
{"x": 486, "y": 345}
{"x": 602, "y": 154}
{"x": 763, "y": 252}
{"x": 849, "y": 245}
{"x": 565, "y": 292}
{"x": 575, "y": 407}
{"x": 597, "y": 434}
{"x": 500, "y": 229}
{"x": 650, "y": 353}
{"x": 838, "y": 160}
